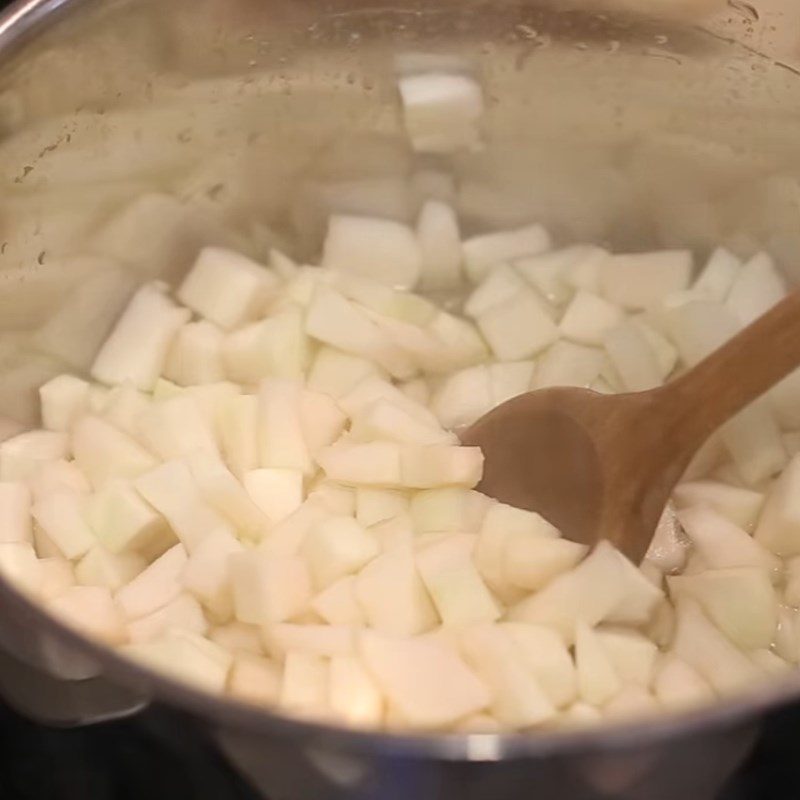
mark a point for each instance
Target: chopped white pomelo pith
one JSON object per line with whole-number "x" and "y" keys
{"x": 455, "y": 585}
{"x": 519, "y": 327}
{"x": 633, "y": 358}
{"x": 740, "y": 601}
{"x": 338, "y": 604}
{"x": 589, "y": 318}
{"x": 393, "y": 596}
{"x": 277, "y": 346}
{"x": 99, "y": 567}
{"x": 463, "y": 397}
{"x": 176, "y": 428}
{"x": 63, "y": 400}
{"x": 336, "y": 547}
{"x": 138, "y": 347}
{"x": 723, "y": 544}
{"x": 441, "y": 111}
{"x": 226, "y": 288}
{"x": 544, "y": 653}
{"x": 155, "y": 586}
{"x": 518, "y": 698}
{"x": 377, "y": 248}
{"x": 196, "y": 355}
{"x": 440, "y": 247}
{"x": 354, "y": 697}
{"x": 277, "y": 492}
{"x": 336, "y": 321}
{"x": 172, "y": 490}
{"x": 186, "y": 656}
{"x": 260, "y": 488}
{"x": 640, "y": 280}
{"x": 483, "y": 252}
{"x": 598, "y": 679}
{"x": 22, "y": 455}
{"x": 568, "y": 364}
{"x": 92, "y": 611}
{"x": 701, "y": 645}
{"x": 779, "y": 525}
{"x": 268, "y": 588}
{"x": 428, "y": 682}
{"x": 62, "y": 516}
{"x": 123, "y": 521}
{"x": 757, "y": 288}
{"x": 718, "y": 276}
{"x": 104, "y": 453}
{"x": 740, "y": 506}
{"x": 15, "y": 512}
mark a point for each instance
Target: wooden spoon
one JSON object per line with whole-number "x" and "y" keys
{"x": 602, "y": 466}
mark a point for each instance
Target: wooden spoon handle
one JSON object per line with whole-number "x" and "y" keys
{"x": 701, "y": 400}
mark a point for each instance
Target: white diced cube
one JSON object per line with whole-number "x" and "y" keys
{"x": 62, "y": 516}
{"x": 15, "y": 512}
{"x": 195, "y": 356}
{"x": 354, "y": 697}
{"x": 463, "y": 397}
{"x": 457, "y": 589}
{"x": 276, "y": 346}
{"x": 269, "y": 588}
{"x": 501, "y": 284}
{"x": 337, "y": 322}
{"x": 426, "y": 680}
{"x": 718, "y": 276}
{"x": 137, "y": 348}
{"x": 589, "y": 318}
{"x": 382, "y": 249}
{"x": 224, "y": 493}
{"x": 91, "y": 610}
{"x": 757, "y": 288}
{"x": 238, "y": 430}
{"x": 633, "y": 358}
{"x": 483, "y": 252}
{"x": 280, "y": 427}
{"x": 518, "y": 328}
{"x": 335, "y": 372}
{"x": 640, "y": 280}
{"x": 254, "y": 680}
{"x": 393, "y": 596}
{"x": 155, "y": 586}
{"x": 440, "y": 246}
{"x": 172, "y": 490}
{"x": 336, "y": 547}
{"x": 518, "y": 699}
{"x": 304, "y": 689}
{"x": 183, "y": 613}
{"x": 122, "y": 521}
{"x": 100, "y": 567}
{"x": 20, "y": 567}
{"x": 185, "y": 656}
{"x": 63, "y": 400}
{"x": 338, "y": 603}
{"x": 372, "y": 464}
{"x": 277, "y": 492}
{"x": 226, "y": 288}
{"x": 22, "y": 455}
{"x": 207, "y": 574}
{"x": 377, "y": 505}
{"x": 104, "y": 453}
{"x": 440, "y": 465}
{"x": 441, "y": 111}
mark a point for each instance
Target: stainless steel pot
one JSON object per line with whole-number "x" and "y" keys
{"x": 260, "y": 116}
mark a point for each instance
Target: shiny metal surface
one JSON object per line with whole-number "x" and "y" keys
{"x": 262, "y": 116}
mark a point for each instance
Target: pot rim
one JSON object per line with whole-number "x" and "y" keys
{"x": 31, "y": 17}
